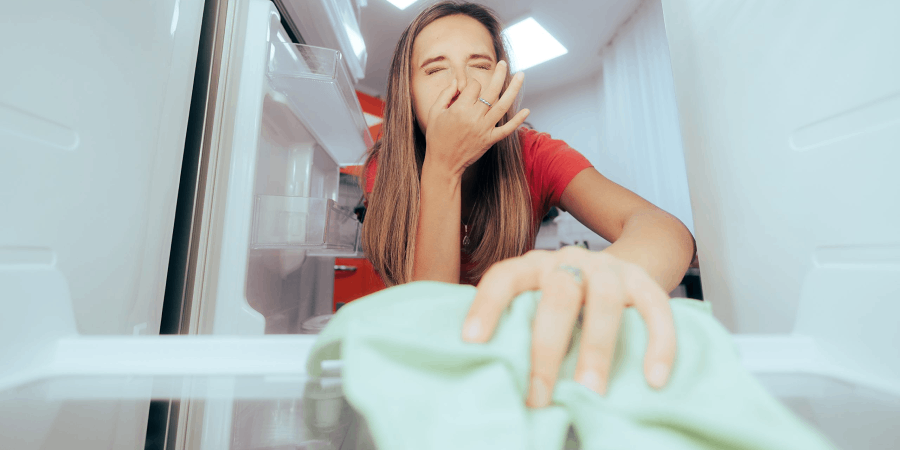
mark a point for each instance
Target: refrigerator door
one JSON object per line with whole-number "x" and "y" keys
{"x": 296, "y": 120}
{"x": 93, "y": 114}
{"x": 274, "y": 227}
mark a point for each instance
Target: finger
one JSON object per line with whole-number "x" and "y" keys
{"x": 470, "y": 94}
{"x": 554, "y": 319}
{"x": 506, "y": 100}
{"x": 506, "y": 129}
{"x": 443, "y": 100}
{"x": 605, "y": 301}
{"x": 492, "y": 92}
{"x": 496, "y": 290}
{"x": 653, "y": 305}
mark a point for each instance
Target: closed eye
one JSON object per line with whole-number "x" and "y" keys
{"x": 438, "y": 69}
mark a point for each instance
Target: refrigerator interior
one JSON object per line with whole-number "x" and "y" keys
{"x": 790, "y": 115}
{"x": 809, "y": 143}
{"x": 299, "y": 121}
{"x": 283, "y": 225}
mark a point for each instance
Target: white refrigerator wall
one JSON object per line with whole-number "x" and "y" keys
{"x": 93, "y": 114}
{"x": 791, "y": 120}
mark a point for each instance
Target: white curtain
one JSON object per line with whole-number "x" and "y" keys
{"x": 640, "y": 139}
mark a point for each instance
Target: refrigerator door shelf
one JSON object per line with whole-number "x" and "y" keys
{"x": 332, "y": 24}
{"x": 313, "y": 83}
{"x": 303, "y": 222}
{"x": 296, "y": 120}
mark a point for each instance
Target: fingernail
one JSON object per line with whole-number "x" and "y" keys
{"x": 658, "y": 375}
{"x": 472, "y": 330}
{"x": 591, "y": 380}
{"x": 540, "y": 394}
{"x": 520, "y": 75}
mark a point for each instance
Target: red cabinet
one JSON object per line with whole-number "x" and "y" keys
{"x": 354, "y": 278}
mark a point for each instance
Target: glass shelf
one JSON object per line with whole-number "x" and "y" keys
{"x": 247, "y": 412}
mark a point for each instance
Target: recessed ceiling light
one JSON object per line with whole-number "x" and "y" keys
{"x": 402, "y": 4}
{"x": 531, "y": 44}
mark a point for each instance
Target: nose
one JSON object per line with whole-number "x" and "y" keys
{"x": 461, "y": 80}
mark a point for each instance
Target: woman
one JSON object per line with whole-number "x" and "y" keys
{"x": 456, "y": 191}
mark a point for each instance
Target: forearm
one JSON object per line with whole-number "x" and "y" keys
{"x": 659, "y": 243}
{"x": 437, "y": 239}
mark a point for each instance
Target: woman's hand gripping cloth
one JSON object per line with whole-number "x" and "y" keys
{"x": 418, "y": 386}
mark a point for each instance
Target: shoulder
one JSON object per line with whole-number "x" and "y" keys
{"x": 540, "y": 151}
{"x": 550, "y": 164}
{"x": 370, "y": 170}
{"x": 533, "y": 141}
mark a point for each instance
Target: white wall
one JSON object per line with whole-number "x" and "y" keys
{"x": 572, "y": 113}
{"x": 623, "y": 119}
{"x": 639, "y": 113}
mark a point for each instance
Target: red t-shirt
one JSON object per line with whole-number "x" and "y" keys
{"x": 550, "y": 164}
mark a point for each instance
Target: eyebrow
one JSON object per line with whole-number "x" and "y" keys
{"x": 442, "y": 57}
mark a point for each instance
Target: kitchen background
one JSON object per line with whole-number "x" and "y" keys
{"x": 610, "y": 97}
{"x": 174, "y": 167}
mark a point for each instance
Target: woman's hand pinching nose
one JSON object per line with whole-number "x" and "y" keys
{"x": 463, "y": 125}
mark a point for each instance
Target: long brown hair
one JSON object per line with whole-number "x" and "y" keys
{"x": 501, "y": 223}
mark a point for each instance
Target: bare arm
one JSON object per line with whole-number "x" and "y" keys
{"x": 457, "y": 135}
{"x": 437, "y": 239}
{"x": 641, "y": 233}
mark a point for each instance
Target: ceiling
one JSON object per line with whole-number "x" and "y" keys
{"x": 582, "y": 26}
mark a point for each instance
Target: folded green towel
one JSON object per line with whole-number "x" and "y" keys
{"x": 407, "y": 371}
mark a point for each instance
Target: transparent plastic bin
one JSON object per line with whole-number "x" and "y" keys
{"x": 317, "y": 224}
{"x": 316, "y": 86}
{"x": 332, "y": 24}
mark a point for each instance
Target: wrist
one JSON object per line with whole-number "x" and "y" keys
{"x": 434, "y": 171}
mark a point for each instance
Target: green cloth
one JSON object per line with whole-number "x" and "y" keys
{"x": 407, "y": 371}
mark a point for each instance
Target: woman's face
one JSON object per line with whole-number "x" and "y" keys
{"x": 451, "y": 47}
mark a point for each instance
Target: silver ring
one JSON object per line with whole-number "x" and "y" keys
{"x": 572, "y": 270}
{"x": 485, "y": 102}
